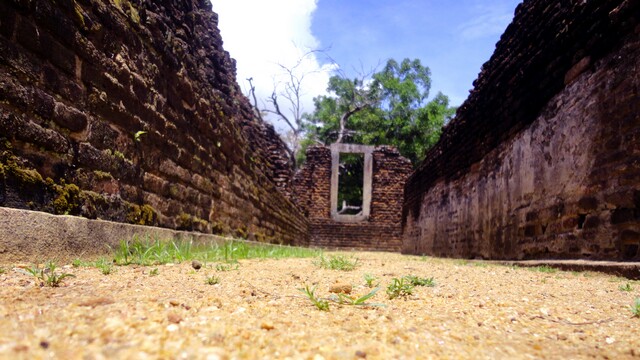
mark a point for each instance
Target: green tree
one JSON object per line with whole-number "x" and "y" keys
{"x": 389, "y": 108}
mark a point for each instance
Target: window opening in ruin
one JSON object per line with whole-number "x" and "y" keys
{"x": 351, "y": 180}
{"x": 350, "y": 184}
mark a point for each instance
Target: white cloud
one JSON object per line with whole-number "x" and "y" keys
{"x": 486, "y": 22}
{"x": 261, "y": 34}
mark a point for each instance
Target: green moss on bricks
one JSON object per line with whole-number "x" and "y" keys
{"x": 102, "y": 175}
{"x": 141, "y": 215}
{"x": 68, "y": 200}
{"x": 184, "y": 222}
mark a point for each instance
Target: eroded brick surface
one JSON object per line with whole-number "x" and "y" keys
{"x": 543, "y": 159}
{"x": 79, "y": 80}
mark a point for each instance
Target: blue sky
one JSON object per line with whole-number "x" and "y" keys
{"x": 452, "y": 38}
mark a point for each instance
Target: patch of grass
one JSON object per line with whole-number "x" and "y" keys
{"x": 399, "y": 288}
{"x": 105, "y": 266}
{"x": 319, "y": 303}
{"x": 418, "y": 281}
{"x": 544, "y": 269}
{"x": 2, "y": 270}
{"x": 76, "y": 263}
{"x": 212, "y": 280}
{"x": 154, "y": 272}
{"x": 370, "y": 279}
{"x": 156, "y": 252}
{"x": 635, "y": 308}
{"x": 226, "y": 267}
{"x": 337, "y": 262}
{"x": 626, "y": 287}
{"x": 47, "y": 275}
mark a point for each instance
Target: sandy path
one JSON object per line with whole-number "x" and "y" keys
{"x": 485, "y": 311}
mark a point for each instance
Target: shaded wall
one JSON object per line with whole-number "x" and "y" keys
{"x": 382, "y": 230}
{"x": 543, "y": 159}
{"x": 130, "y": 111}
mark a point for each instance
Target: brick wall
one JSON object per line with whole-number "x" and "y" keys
{"x": 129, "y": 111}
{"x": 382, "y": 231}
{"x": 543, "y": 159}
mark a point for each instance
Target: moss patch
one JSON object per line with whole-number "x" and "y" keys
{"x": 68, "y": 201}
{"x": 141, "y": 215}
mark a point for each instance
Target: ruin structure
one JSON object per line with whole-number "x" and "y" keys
{"x": 378, "y": 225}
{"x": 543, "y": 159}
{"x": 129, "y": 111}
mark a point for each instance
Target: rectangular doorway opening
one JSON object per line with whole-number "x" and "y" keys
{"x": 350, "y": 184}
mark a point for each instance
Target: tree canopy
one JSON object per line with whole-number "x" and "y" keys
{"x": 389, "y": 108}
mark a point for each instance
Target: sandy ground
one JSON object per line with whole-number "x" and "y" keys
{"x": 475, "y": 311}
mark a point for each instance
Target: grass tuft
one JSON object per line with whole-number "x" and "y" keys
{"x": 635, "y": 308}
{"x": 47, "y": 275}
{"x": 370, "y": 279}
{"x": 337, "y": 262}
{"x": 627, "y": 287}
{"x": 418, "y": 281}
{"x": 399, "y": 288}
{"x": 212, "y": 280}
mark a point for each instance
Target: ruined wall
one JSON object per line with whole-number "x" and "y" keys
{"x": 382, "y": 231}
{"x": 543, "y": 159}
{"x": 128, "y": 110}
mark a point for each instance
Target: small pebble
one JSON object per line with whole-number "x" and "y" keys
{"x": 361, "y": 354}
{"x": 267, "y": 326}
{"x": 340, "y": 288}
{"x": 196, "y": 264}
{"x": 174, "y": 318}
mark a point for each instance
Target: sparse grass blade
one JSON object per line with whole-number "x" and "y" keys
{"x": 418, "y": 281}
{"x": 635, "y": 308}
{"x": 319, "y": 303}
{"x": 627, "y": 287}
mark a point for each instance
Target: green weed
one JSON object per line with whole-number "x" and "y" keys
{"x": 319, "y": 303}
{"x": 76, "y": 263}
{"x": 627, "y": 287}
{"x": 2, "y": 270}
{"x": 226, "y": 267}
{"x": 345, "y": 299}
{"x": 47, "y": 275}
{"x": 154, "y": 272}
{"x": 418, "y": 281}
{"x": 337, "y": 262}
{"x": 370, "y": 279}
{"x": 399, "y": 287}
{"x": 635, "y": 308}
{"x": 212, "y": 280}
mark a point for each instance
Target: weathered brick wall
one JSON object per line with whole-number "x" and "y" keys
{"x": 382, "y": 231}
{"x": 543, "y": 159}
{"x": 79, "y": 83}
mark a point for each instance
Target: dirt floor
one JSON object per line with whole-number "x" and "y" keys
{"x": 475, "y": 311}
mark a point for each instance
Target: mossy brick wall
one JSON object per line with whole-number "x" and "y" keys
{"x": 129, "y": 110}
{"x": 382, "y": 231}
{"x": 543, "y": 159}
